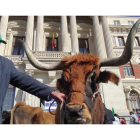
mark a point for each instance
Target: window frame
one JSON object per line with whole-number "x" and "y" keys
{"x": 121, "y": 37}
{"x": 134, "y": 100}
{"x": 136, "y": 38}
{"x": 14, "y": 44}
{"x": 130, "y": 22}
{"x": 128, "y": 70}
{"x": 115, "y": 21}
{"x": 82, "y": 47}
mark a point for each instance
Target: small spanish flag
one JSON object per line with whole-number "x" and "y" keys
{"x": 2, "y": 41}
{"x": 53, "y": 41}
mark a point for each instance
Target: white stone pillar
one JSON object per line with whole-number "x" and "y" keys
{"x": 34, "y": 40}
{"x": 97, "y": 37}
{"x": 3, "y": 29}
{"x": 10, "y": 47}
{"x": 107, "y": 37}
{"x": 39, "y": 33}
{"x": 29, "y": 98}
{"x": 64, "y": 33}
{"x": 74, "y": 36}
{"x": 29, "y": 32}
{"x": 44, "y": 42}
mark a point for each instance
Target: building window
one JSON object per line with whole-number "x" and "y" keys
{"x": 134, "y": 100}
{"x": 116, "y": 22}
{"x": 136, "y": 42}
{"x": 9, "y": 99}
{"x": 127, "y": 71}
{"x": 17, "y": 48}
{"x": 49, "y": 44}
{"x": 130, "y": 22}
{"x": 121, "y": 41}
{"x": 83, "y": 46}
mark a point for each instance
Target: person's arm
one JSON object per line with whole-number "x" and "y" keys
{"x": 29, "y": 84}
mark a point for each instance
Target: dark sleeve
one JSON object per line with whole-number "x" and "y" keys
{"x": 29, "y": 84}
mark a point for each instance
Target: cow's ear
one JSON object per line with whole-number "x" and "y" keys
{"x": 106, "y": 76}
{"x": 59, "y": 85}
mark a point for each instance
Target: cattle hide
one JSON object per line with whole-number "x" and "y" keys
{"x": 25, "y": 114}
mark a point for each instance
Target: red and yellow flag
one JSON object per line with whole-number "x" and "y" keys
{"x": 53, "y": 41}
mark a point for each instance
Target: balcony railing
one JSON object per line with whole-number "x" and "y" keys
{"x": 14, "y": 58}
{"x": 40, "y": 55}
{"x": 51, "y": 55}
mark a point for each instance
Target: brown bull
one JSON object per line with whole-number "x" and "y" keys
{"x": 80, "y": 82}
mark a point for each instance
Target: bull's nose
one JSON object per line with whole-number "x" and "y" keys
{"x": 74, "y": 108}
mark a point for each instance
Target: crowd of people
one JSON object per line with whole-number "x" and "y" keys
{"x": 135, "y": 117}
{"x": 119, "y": 120}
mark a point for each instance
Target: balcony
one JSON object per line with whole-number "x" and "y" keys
{"x": 40, "y": 55}
{"x": 50, "y": 55}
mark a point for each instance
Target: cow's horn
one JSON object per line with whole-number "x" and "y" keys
{"x": 37, "y": 64}
{"x": 127, "y": 53}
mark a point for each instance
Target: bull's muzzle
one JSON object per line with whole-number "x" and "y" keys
{"x": 75, "y": 114}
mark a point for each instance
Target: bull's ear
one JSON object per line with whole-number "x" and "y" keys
{"x": 59, "y": 85}
{"x": 106, "y": 76}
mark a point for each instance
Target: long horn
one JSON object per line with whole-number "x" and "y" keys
{"x": 37, "y": 64}
{"x": 127, "y": 53}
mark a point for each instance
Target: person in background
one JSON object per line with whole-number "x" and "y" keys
{"x": 122, "y": 121}
{"x": 137, "y": 116}
{"x": 132, "y": 118}
{"x": 117, "y": 119}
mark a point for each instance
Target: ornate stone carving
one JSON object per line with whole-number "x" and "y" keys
{"x": 121, "y": 28}
{"x": 128, "y": 88}
{"x": 17, "y": 23}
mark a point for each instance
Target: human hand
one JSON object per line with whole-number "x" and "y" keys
{"x": 58, "y": 95}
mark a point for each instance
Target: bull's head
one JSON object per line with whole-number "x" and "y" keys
{"x": 81, "y": 77}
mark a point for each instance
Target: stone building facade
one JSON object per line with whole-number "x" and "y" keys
{"x": 102, "y": 35}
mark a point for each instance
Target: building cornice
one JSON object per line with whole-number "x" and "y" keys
{"x": 122, "y": 29}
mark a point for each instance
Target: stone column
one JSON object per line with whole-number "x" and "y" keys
{"x": 29, "y": 98}
{"x": 39, "y": 33}
{"x": 64, "y": 33}
{"x": 10, "y": 47}
{"x": 3, "y": 29}
{"x": 74, "y": 36}
{"x": 8, "y": 35}
{"x": 34, "y": 40}
{"x": 29, "y": 31}
{"x": 107, "y": 37}
{"x": 97, "y": 37}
